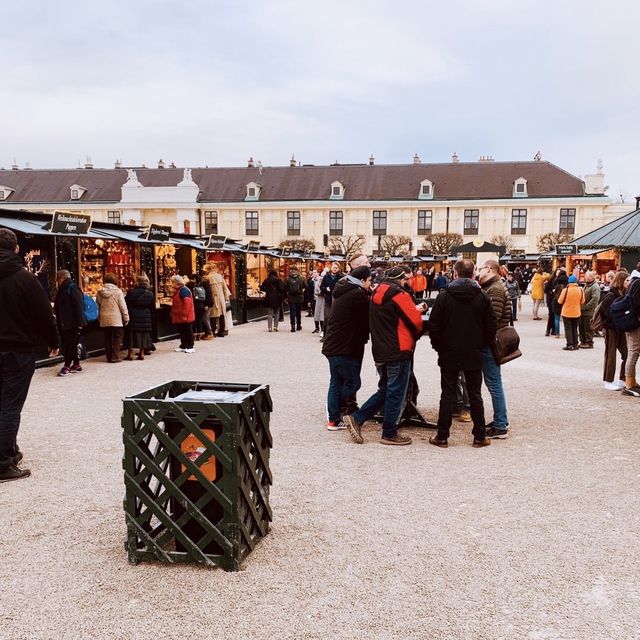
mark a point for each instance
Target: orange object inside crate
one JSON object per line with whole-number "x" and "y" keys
{"x": 193, "y": 448}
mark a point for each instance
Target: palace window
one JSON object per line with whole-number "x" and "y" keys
{"x": 379, "y": 223}
{"x": 471, "y": 220}
{"x": 518, "y": 222}
{"x": 211, "y": 222}
{"x": 114, "y": 216}
{"x": 293, "y": 223}
{"x": 568, "y": 221}
{"x": 251, "y": 223}
{"x": 335, "y": 223}
{"x": 425, "y": 222}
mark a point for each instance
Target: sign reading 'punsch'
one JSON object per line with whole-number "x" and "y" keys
{"x": 74, "y": 223}
{"x": 159, "y": 233}
{"x": 216, "y": 243}
{"x": 566, "y": 249}
{"x": 253, "y": 246}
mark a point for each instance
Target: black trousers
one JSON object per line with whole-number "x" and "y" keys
{"x": 70, "y": 339}
{"x": 186, "y": 335}
{"x": 220, "y": 322}
{"x": 571, "y": 331}
{"x": 449, "y": 383}
{"x": 112, "y": 342}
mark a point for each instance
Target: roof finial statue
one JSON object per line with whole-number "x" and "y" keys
{"x": 600, "y": 165}
{"x": 187, "y": 176}
{"x": 132, "y": 178}
{"x": 538, "y": 156}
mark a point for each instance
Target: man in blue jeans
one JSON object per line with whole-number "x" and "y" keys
{"x": 346, "y": 333}
{"x": 493, "y": 286}
{"x": 395, "y": 324}
{"x": 25, "y": 320}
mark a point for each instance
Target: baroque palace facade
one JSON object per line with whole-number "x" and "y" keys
{"x": 478, "y": 200}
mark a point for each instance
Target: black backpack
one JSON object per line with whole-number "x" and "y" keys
{"x": 294, "y": 286}
{"x": 623, "y": 315}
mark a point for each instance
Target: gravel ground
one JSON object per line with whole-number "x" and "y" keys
{"x": 534, "y": 537}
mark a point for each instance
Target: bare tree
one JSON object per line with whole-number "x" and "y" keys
{"x": 548, "y": 241}
{"x": 301, "y": 244}
{"x": 439, "y": 244}
{"x": 395, "y": 245}
{"x": 504, "y": 241}
{"x": 346, "y": 245}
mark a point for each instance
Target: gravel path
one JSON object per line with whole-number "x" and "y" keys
{"x": 534, "y": 537}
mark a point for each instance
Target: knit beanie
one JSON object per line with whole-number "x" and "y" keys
{"x": 396, "y": 273}
{"x": 361, "y": 273}
{"x": 573, "y": 280}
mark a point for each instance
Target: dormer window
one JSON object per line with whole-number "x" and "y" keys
{"x": 426, "y": 190}
{"x": 337, "y": 190}
{"x": 253, "y": 191}
{"x": 5, "y": 192}
{"x": 520, "y": 188}
{"x": 76, "y": 191}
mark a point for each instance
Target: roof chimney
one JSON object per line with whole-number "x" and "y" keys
{"x": 250, "y": 163}
{"x": 485, "y": 159}
{"x": 416, "y": 159}
{"x": 372, "y": 160}
{"x": 161, "y": 164}
{"x": 292, "y": 162}
{"x": 117, "y": 164}
{"x": 27, "y": 166}
{"x": 454, "y": 157}
{"x": 88, "y": 164}
{"x": 14, "y": 166}
{"x": 172, "y": 165}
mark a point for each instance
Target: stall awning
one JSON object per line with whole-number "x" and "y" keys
{"x": 23, "y": 226}
{"x": 134, "y": 235}
{"x": 581, "y": 252}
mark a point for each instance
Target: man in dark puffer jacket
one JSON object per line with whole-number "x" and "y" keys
{"x": 25, "y": 320}
{"x": 346, "y": 334}
{"x": 461, "y": 324}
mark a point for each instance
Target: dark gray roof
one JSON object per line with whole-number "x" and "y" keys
{"x": 622, "y": 233}
{"x": 452, "y": 181}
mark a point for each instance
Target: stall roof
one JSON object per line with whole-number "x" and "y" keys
{"x": 528, "y": 257}
{"x": 623, "y": 233}
{"x": 23, "y": 226}
{"x": 581, "y": 252}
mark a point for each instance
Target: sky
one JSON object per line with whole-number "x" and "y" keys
{"x": 213, "y": 82}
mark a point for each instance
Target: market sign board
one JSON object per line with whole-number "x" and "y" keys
{"x": 216, "y": 243}
{"x": 253, "y": 246}
{"x": 159, "y": 233}
{"x": 306, "y": 254}
{"x": 518, "y": 253}
{"x": 440, "y": 258}
{"x": 286, "y": 251}
{"x": 69, "y": 222}
{"x": 566, "y": 249}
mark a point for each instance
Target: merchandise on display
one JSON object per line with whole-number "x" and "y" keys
{"x": 167, "y": 267}
{"x": 99, "y": 257}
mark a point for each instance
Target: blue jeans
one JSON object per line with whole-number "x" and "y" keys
{"x": 16, "y": 371}
{"x": 392, "y": 389}
{"x": 514, "y": 308}
{"x": 556, "y": 323}
{"x": 493, "y": 380}
{"x": 295, "y": 314}
{"x": 344, "y": 383}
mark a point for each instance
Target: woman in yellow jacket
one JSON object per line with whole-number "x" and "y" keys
{"x": 571, "y": 298}
{"x": 537, "y": 291}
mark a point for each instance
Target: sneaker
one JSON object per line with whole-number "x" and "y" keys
{"x": 207, "y": 336}
{"x": 465, "y": 416}
{"x": 75, "y": 368}
{"x": 13, "y": 473}
{"x": 497, "y": 434}
{"x": 438, "y": 442}
{"x": 275, "y": 329}
{"x": 322, "y": 334}
{"x": 481, "y": 443}
{"x": 355, "y": 428}
{"x": 179, "y": 350}
{"x": 612, "y": 386}
{"x": 396, "y": 440}
{"x": 293, "y": 329}
{"x": 567, "y": 348}
{"x": 190, "y": 350}
{"x": 64, "y": 372}
{"x": 633, "y": 391}
{"x": 316, "y": 331}
{"x": 336, "y": 426}
{"x": 586, "y": 345}
{"x": 299, "y": 328}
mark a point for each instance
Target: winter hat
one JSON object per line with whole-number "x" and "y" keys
{"x": 396, "y": 273}
{"x": 361, "y": 273}
{"x": 573, "y": 280}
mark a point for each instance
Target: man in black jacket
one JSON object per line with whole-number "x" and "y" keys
{"x": 25, "y": 319}
{"x": 67, "y": 306}
{"x": 395, "y": 324}
{"x": 462, "y": 323}
{"x": 346, "y": 333}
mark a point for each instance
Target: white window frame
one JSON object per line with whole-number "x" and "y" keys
{"x": 520, "y": 182}
{"x": 337, "y": 185}
{"x": 428, "y": 185}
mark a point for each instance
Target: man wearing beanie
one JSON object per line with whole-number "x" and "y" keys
{"x": 346, "y": 333}
{"x": 395, "y": 325}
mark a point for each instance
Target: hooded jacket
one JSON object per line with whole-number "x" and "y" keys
{"x": 273, "y": 289}
{"x": 571, "y": 299}
{"x": 394, "y": 322}
{"x": 295, "y": 286}
{"x": 68, "y": 307}
{"x": 461, "y": 324}
{"x": 347, "y": 329}
{"x": 25, "y": 312}
{"x": 591, "y": 293}
{"x": 113, "y": 308}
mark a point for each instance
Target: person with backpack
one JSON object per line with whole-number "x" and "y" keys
{"x": 625, "y": 313}
{"x": 571, "y": 298}
{"x": 614, "y": 340}
{"x": 273, "y": 289}
{"x": 295, "y": 286}
{"x": 67, "y": 307}
{"x": 591, "y": 293}
{"x": 141, "y": 306}
{"x": 113, "y": 316}
{"x": 202, "y": 301}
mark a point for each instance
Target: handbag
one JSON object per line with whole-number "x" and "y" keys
{"x": 228, "y": 306}
{"x": 506, "y": 345}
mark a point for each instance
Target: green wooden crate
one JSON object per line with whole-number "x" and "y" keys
{"x": 175, "y": 512}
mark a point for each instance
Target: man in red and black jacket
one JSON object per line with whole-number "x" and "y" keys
{"x": 395, "y": 324}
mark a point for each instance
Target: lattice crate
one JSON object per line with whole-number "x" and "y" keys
{"x": 174, "y": 513}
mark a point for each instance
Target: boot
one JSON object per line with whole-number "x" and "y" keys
{"x": 129, "y": 355}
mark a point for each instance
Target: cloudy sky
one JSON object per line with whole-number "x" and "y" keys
{"x": 212, "y": 82}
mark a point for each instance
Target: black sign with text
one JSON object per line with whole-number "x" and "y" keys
{"x": 566, "y": 249}
{"x": 159, "y": 233}
{"x": 216, "y": 243}
{"x": 286, "y": 251}
{"x": 517, "y": 253}
{"x": 70, "y": 223}
{"x": 253, "y": 246}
